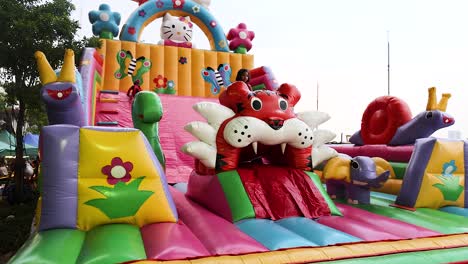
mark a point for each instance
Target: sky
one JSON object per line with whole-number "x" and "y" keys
{"x": 341, "y": 46}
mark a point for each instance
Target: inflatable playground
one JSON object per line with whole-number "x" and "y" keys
{"x": 161, "y": 153}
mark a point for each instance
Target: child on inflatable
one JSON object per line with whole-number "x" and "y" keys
{"x": 243, "y": 75}
{"x": 134, "y": 89}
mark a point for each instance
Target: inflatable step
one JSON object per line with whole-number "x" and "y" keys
{"x": 107, "y": 123}
{"x": 108, "y": 100}
{"x": 109, "y": 92}
{"x": 109, "y": 111}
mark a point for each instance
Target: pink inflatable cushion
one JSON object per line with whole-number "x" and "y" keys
{"x": 389, "y": 153}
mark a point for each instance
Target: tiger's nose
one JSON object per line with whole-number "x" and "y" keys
{"x": 275, "y": 123}
{"x": 178, "y": 33}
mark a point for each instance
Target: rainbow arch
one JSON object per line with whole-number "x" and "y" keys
{"x": 154, "y": 9}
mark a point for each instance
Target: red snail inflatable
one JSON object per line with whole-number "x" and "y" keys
{"x": 387, "y": 120}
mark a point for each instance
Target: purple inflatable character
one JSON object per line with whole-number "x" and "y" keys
{"x": 60, "y": 94}
{"x": 353, "y": 178}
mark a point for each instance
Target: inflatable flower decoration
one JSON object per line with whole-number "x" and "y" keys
{"x": 240, "y": 39}
{"x": 105, "y": 22}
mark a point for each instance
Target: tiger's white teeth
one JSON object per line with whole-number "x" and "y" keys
{"x": 254, "y": 146}
{"x": 283, "y": 147}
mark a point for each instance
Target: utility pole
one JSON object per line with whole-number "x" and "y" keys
{"x": 317, "y": 95}
{"x": 388, "y": 62}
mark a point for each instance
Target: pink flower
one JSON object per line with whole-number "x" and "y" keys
{"x": 131, "y": 30}
{"x": 159, "y": 4}
{"x": 186, "y": 21}
{"x": 118, "y": 171}
{"x": 178, "y": 3}
{"x": 240, "y": 36}
{"x": 183, "y": 60}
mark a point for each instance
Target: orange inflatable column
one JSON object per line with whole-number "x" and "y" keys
{"x": 157, "y": 64}
{"x": 211, "y": 60}
{"x": 102, "y": 54}
{"x": 170, "y": 64}
{"x": 198, "y": 64}
{"x": 235, "y": 60}
{"x": 144, "y": 50}
{"x": 223, "y": 58}
{"x": 111, "y": 65}
{"x": 184, "y": 72}
{"x": 247, "y": 61}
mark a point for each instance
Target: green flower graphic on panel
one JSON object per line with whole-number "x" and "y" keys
{"x": 124, "y": 191}
{"x": 450, "y": 186}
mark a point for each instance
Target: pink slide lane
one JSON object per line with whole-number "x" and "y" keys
{"x": 120, "y": 111}
{"x": 178, "y": 112}
{"x": 167, "y": 241}
{"x": 219, "y": 236}
{"x": 373, "y": 227}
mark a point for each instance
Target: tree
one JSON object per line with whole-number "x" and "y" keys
{"x": 25, "y": 27}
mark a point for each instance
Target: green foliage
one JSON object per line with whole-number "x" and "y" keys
{"x": 27, "y": 26}
{"x": 34, "y": 25}
{"x": 15, "y": 231}
{"x": 121, "y": 201}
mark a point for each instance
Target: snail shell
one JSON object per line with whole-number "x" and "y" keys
{"x": 382, "y": 118}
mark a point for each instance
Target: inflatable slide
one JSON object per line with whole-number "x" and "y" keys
{"x": 165, "y": 156}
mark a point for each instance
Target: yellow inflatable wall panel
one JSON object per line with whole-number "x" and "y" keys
{"x": 181, "y": 65}
{"x": 111, "y": 174}
{"x": 429, "y": 195}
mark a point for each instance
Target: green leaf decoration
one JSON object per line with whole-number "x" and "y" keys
{"x": 122, "y": 71}
{"x": 450, "y": 187}
{"x": 102, "y": 189}
{"x": 164, "y": 91}
{"x": 135, "y": 183}
{"x": 121, "y": 201}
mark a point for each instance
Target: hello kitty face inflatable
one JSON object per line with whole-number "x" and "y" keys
{"x": 176, "y": 31}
